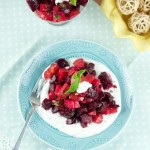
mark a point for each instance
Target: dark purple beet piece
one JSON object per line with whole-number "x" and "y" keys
{"x": 106, "y": 80}
{"x": 81, "y": 111}
{"x": 113, "y": 105}
{"x": 85, "y": 119}
{"x": 62, "y": 63}
{"x": 55, "y": 109}
{"x": 71, "y": 121}
{"x": 92, "y": 93}
{"x": 83, "y": 2}
{"x": 90, "y": 67}
{"x": 34, "y": 4}
{"x": 47, "y": 104}
{"x": 66, "y": 112}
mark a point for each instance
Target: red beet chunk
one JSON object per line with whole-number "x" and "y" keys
{"x": 51, "y": 71}
{"x": 92, "y": 113}
{"x": 71, "y": 104}
{"x": 89, "y": 78}
{"x": 96, "y": 82}
{"x": 62, "y": 73}
{"x": 51, "y": 95}
{"x": 97, "y": 118}
{"x": 79, "y": 63}
{"x": 45, "y": 15}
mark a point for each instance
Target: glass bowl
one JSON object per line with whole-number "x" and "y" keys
{"x": 59, "y": 14}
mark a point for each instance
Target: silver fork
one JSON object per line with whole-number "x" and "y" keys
{"x": 35, "y": 101}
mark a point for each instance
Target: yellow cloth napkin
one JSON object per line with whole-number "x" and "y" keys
{"x": 141, "y": 42}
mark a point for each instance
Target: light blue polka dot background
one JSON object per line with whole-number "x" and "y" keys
{"x": 22, "y": 34}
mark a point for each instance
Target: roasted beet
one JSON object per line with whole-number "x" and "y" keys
{"x": 85, "y": 119}
{"x": 55, "y": 109}
{"x": 62, "y": 63}
{"x": 66, "y": 112}
{"x": 71, "y": 121}
{"x": 47, "y": 104}
{"x": 34, "y": 4}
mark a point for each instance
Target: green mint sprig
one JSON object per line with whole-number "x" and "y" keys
{"x": 75, "y": 84}
{"x": 74, "y": 2}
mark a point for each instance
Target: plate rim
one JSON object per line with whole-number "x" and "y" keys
{"x": 61, "y": 42}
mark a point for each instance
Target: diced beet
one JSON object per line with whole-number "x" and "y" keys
{"x": 93, "y": 73}
{"x": 34, "y": 4}
{"x": 45, "y": 15}
{"x": 108, "y": 97}
{"x": 65, "y": 87}
{"x": 110, "y": 111}
{"x": 92, "y": 113}
{"x": 97, "y": 119}
{"x": 55, "y": 109}
{"x": 88, "y": 100}
{"x": 48, "y": 74}
{"x": 113, "y": 104}
{"x": 81, "y": 111}
{"x": 44, "y": 7}
{"x": 79, "y": 63}
{"x": 90, "y": 67}
{"x": 51, "y": 95}
{"x": 83, "y": 2}
{"x": 96, "y": 82}
{"x": 47, "y": 104}
{"x": 66, "y": 112}
{"x": 84, "y": 125}
{"x": 82, "y": 78}
{"x": 58, "y": 17}
{"x": 71, "y": 121}
{"x": 93, "y": 106}
{"x": 92, "y": 93}
{"x": 72, "y": 70}
{"x": 101, "y": 95}
{"x": 62, "y": 73}
{"x": 65, "y": 7}
{"x": 74, "y": 96}
{"x": 89, "y": 78}
{"x": 58, "y": 88}
{"x": 85, "y": 119}
{"x": 68, "y": 79}
{"x": 62, "y": 63}
{"x": 102, "y": 108}
{"x": 71, "y": 104}
{"x": 74, "y": 13}
{"x": 106, "y": 80}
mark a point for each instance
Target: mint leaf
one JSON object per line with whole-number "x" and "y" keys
{"x": 74, "y": 2}
{"x": 75, "y": 84}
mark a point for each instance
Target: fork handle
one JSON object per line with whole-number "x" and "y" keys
{"x": 16, "y": 147}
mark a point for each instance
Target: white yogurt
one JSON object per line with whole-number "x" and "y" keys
{"x": 83, "y": 87}
{"x": 60, "y": 1}
{"x": 76, "y": 130}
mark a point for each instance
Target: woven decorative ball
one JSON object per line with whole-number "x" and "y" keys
{"x": 128, "y": 7}
{"x": 145, "y": 5}
{"x": 139, "y": 23}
